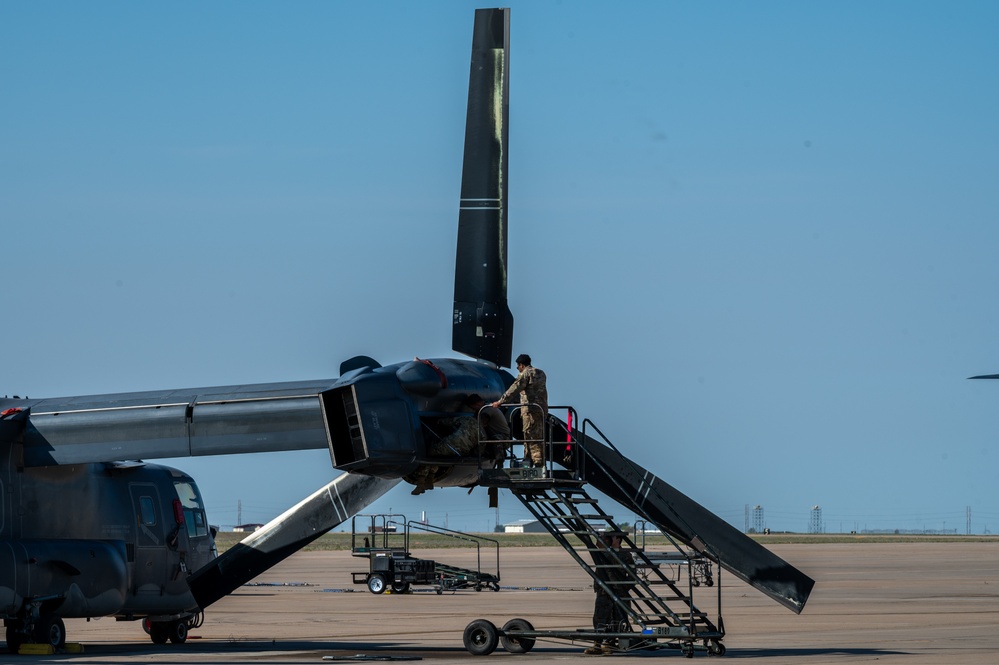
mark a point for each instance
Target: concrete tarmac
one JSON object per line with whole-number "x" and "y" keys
{"x": 904, "y": 603}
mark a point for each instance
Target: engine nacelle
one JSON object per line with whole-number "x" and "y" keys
{"x": 378, "y": 420}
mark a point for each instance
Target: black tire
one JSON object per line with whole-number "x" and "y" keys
{"x": 716, "y": 648}
{"x": 376, "y": 583}
{"x": 50, "y": 630}
{"x": 177, "y": 632}
{"x": 480, "y": 637}
{"x": 159, "y": 632}
{"x": 15, "y": 638}
{"x": 513, "y": 644}
{"x": 400, "y": 587}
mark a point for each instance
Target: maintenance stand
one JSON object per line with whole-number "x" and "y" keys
{"x": 384, "y": 541}
{"x": 658, "y": 607}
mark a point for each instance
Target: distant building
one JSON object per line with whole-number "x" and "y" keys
{"x": 246, "y": 528}
{"x": 381, "y": 529}
{"x": 524, "y": 526}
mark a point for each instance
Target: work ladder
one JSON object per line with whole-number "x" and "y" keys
{"x": 567, "y": 511}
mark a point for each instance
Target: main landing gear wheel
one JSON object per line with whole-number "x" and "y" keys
{"x": 159, "y": 631}
{"x": 514, "y": 644}
{"x": 50, "y": 630}
{"x": 376, "y": 583}
{"x": 480, "y": 637}
{"x": 177, "y": 631}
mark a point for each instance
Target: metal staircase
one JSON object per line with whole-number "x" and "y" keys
{"x": 642, "y": 585}
{"x": 569, "y": 513}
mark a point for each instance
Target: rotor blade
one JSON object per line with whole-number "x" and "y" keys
{"x": 483, "y": 323}
{"x": 694, "y": 525}
{"x": 285, "y": 535}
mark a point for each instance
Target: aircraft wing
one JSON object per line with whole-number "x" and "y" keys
{"x": 219, "y": 420}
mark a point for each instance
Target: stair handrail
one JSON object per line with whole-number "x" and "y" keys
{"x": 386, "y": 520}
{"x": 457, "y": 535}
{"x": 591, "y": 543}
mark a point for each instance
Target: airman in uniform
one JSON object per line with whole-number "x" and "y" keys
{"x": 493, "y": 428}
{"x": 531, "y": 384}
{"x": 462, "y": 441}
{"x": 608, "y": 616}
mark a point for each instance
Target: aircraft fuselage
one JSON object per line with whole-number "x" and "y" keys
{"x": 99, "y": 539}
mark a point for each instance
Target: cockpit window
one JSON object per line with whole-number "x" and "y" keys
{"x": 194, "y": 512}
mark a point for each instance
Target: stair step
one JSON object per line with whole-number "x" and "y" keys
{"x": 558, "y": 510}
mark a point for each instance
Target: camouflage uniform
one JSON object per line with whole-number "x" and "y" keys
{"x": 459, "y": 443}
{"x": 493, "y": 427}
{"x": 462, "y": 441}
{"x": 530, "y": 383}
{"x": 608, "y": 615}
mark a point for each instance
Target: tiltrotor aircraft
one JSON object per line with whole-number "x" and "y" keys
{"x": 86, "y": 530}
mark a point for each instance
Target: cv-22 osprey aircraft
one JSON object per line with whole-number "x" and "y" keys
{"x": 88, "y": 530}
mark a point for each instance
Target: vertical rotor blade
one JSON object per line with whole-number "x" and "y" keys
{"x": 483, "y": 324}
{"x": 694, "y": 525}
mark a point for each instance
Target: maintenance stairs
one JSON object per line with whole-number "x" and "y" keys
{"x": 644, "y": 587}
{"x": 658, "y": 606}
{"x": 638, "y": 585}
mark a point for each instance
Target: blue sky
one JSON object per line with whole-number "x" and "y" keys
{"x": 753, "y": 242}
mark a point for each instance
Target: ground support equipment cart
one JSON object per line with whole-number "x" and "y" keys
{"x": 385, "y": 544}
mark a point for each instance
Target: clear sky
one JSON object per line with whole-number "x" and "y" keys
{"x": 755, "y": 243}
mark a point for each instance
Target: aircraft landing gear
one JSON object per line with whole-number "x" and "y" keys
{"x": 162, "y": 631}
{"x": 46, "y": 629}
{"x": 51, "y": 630}
{"x": 175, "y": 630}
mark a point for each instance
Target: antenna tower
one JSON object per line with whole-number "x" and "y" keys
{"x": 758, "y": 522}
{"x": 815, "y": 521}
